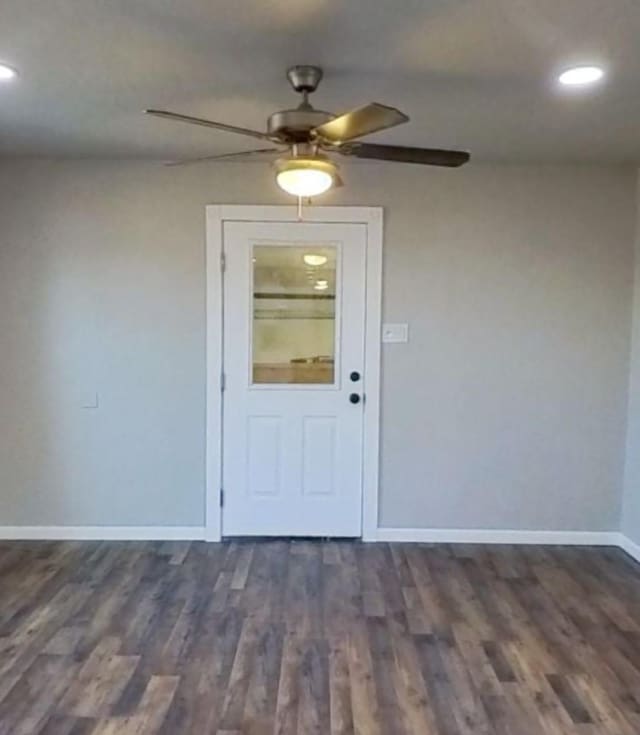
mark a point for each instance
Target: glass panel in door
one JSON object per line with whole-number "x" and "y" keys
{"x": 294, "y": 314}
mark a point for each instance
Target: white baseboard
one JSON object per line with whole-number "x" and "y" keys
{"x": 490, "y": 536}
{"x": 626, "y": 544}
{"x": 404, "y": 535}
{"x": 101, "y": 533}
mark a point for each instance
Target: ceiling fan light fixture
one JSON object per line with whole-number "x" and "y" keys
{"x": 305, "y": 177}
{"x": 315, "y": 260}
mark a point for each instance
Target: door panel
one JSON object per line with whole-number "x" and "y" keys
{"x": 264, "y": 455}
{"x": 294, "y": 298}
{"x": 319, "y": 438}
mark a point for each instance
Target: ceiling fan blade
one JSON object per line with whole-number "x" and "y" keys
{"x": 405, "y": 154}
{"x": 237, "y": 156}
{"x": 207, "y": 123}
{"x": 359, "y": 122}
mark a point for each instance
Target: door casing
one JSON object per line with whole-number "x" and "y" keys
{"x": 216, "y": 216}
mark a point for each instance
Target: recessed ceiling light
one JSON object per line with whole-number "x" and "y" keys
{"x": 580, "y": 76}
{"x": 7, "y": 73}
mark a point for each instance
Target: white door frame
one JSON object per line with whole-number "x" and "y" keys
{"x": 217, "y": 215}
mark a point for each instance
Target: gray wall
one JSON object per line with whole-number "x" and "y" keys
{"x": 631, "y": 505}
{"x": 506, "y": 409}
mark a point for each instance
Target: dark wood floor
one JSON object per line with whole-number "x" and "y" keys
{"x": 322, "y": 638}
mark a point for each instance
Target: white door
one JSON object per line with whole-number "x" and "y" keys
{"x": 294, "y": 318}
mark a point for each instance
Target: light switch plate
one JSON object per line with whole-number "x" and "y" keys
{"x": 395, "y": 332}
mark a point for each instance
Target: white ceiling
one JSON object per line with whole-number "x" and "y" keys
{"x": 475, "y": 74}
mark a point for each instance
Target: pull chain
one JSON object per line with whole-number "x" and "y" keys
{"x": 300, "y": 217}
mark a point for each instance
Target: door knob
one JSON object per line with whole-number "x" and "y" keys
{"x": 354, "y": 376}
{"x": 354, "y": 398}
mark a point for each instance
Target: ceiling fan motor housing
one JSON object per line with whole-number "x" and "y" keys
{"x": 295, "y": 125}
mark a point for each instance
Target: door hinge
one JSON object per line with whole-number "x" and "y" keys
{"x": 221, "y": 498}
{"x": 223, "y": 381}
{"x": 223, "y": 262}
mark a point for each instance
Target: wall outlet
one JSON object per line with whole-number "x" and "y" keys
{"x": 90, "y": 400}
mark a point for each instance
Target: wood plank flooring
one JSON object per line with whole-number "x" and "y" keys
{"x": 314, "y": 638}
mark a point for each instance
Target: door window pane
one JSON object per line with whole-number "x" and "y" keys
{"x": 294, "y": 312}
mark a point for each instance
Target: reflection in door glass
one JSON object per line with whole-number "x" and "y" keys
{"x": 294, "y": 309}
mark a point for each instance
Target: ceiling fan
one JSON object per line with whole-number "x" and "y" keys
{"x": 303, "y": 139}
